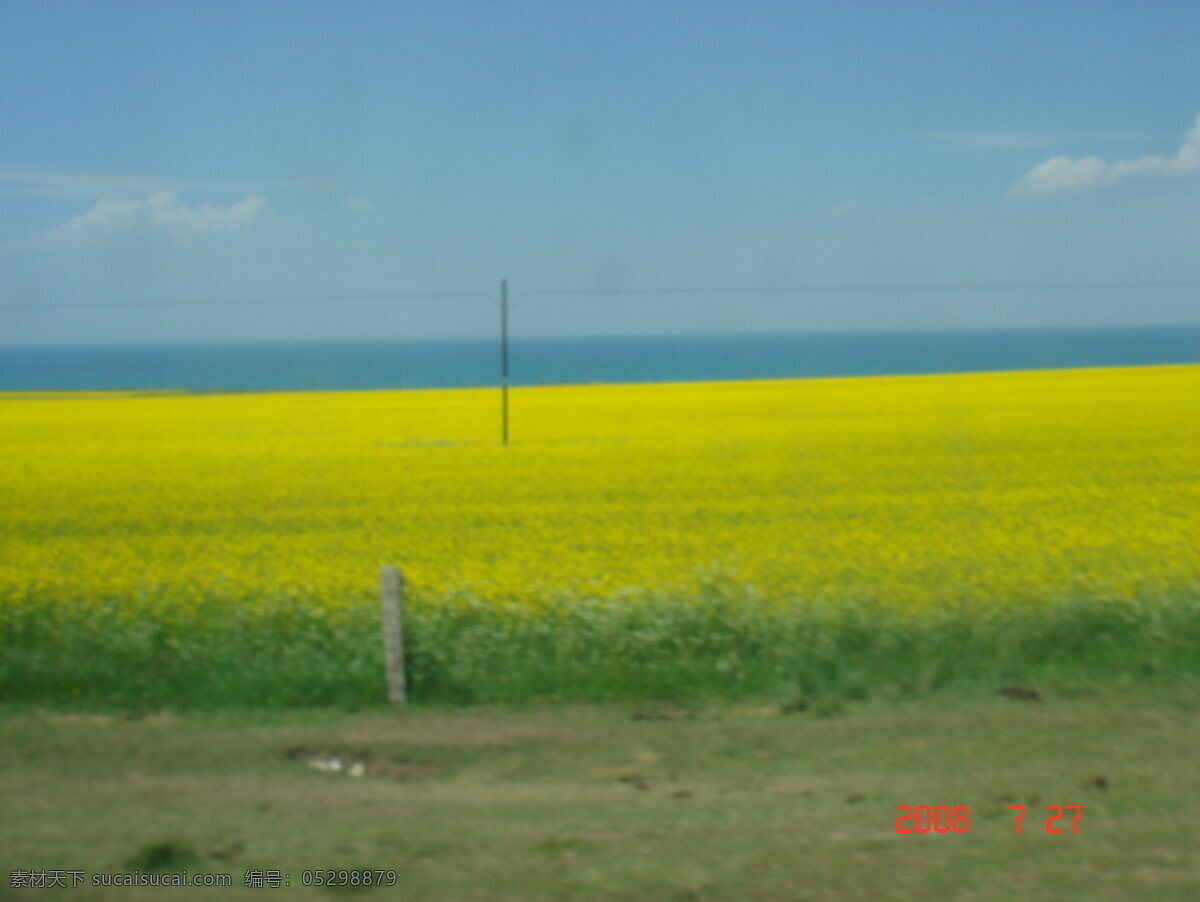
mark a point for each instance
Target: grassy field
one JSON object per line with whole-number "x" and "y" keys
{"x": 802, "y": 603}
{"x": 621, "y": 802}
{"x": 725, "y": 538}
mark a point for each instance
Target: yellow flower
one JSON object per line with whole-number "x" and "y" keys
{"x": 918, "y": 491}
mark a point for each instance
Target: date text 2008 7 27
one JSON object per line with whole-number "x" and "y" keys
{"x": 957, "y": 818}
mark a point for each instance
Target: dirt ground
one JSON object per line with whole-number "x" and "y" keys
{"x": 730, "y": 802}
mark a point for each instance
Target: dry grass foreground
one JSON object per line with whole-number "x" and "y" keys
{"x": 621, "y": 803}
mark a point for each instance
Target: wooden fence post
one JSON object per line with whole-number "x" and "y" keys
{"x": 391, "y": 588}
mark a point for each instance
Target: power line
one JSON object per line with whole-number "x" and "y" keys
{"x": 812, "y": 289}
{"x": 585, "y": 292}
{"x": 248, "y": 302}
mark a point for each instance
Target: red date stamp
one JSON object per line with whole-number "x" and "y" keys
{"x": 957, "y": 818}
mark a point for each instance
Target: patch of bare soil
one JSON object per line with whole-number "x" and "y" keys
{"x": 451, "y": 730}
{"x": 362, "y": 762}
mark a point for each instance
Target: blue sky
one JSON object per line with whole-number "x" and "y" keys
{"x": 163, "y": 151}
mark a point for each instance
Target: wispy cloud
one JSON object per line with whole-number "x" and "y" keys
{"x": 1061, "y": 174}
{"x": 990, "y": 139}
{"x": 98, "y": 186}
{"x": 103, "y": 186}
{"x": 151, "y": 203}
{"x": 331, "y": 191}
{"x": 161, "y": 212}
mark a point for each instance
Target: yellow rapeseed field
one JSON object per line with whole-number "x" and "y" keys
{"x": 917, "y": 491}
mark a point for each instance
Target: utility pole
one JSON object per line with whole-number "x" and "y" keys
{"x": 504, "y": 359}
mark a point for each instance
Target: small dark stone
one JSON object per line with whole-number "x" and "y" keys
{"x": 1020, "y": 694}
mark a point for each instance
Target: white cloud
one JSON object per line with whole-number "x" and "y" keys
{"x": 1059, "y": 174}
{"x": 332, "y": 192}
{"x": 995, "y": 139}
{"x": 99, "y": 185}
{"x": 109, "y": 188}
{"x": 161, "y": 212}
{"x": 359, "y": 204}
